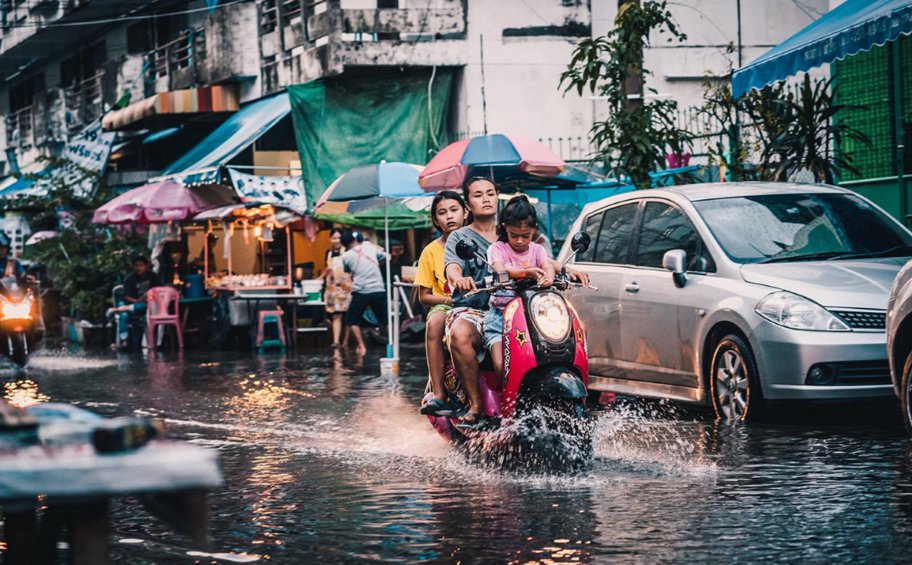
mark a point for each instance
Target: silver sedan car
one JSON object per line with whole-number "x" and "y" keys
{"x": 738, "y": 293}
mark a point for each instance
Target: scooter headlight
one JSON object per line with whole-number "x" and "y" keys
{"x": 550, "y": 316}
{"x": 16, "y": 310}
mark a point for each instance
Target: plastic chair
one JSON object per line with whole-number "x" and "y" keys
{"x": 270, "y": 317}
{"x": 161, "y": 300}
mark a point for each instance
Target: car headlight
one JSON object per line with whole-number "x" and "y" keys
{"x": 798, "y": 313}
{"x": 16, "y": 310}
{"x": 550, "y": 316}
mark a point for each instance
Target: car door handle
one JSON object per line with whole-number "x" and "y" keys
{"x": 632, "y": 288}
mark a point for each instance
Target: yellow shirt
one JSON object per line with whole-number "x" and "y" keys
{"x": 430, "y": 269}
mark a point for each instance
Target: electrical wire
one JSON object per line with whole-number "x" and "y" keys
{"x": 121, "y": 18}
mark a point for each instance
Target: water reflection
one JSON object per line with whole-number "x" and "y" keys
{"x": 23, "y": 393}
{"x": 326, "y": 460}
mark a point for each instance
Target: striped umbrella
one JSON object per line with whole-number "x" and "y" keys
{"x": 503, "y": 158}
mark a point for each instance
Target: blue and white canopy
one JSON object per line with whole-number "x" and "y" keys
{"x": 851, "y": 27}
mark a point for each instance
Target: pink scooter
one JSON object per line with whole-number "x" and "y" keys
{"x": 545, "y": 363}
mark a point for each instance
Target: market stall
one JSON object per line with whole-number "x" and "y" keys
{"x": 247, "y": 255}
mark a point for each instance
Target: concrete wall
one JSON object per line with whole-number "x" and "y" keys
{"x": 711, "y": 25}
{"x": 521, "y": 74}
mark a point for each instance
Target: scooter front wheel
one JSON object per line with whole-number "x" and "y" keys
{"x": 18, "y": 348}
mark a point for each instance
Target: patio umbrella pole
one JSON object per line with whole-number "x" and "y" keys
{"x": 389, "y": 311}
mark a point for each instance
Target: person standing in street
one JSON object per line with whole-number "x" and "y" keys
{"x": 362, "y": 260}
{"x": 338, "y": 289}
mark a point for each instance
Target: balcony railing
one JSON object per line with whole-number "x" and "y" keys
{"x": 19, "y": 128}
{"x": 83, "y": 101}
{"x": 185, "y": 52}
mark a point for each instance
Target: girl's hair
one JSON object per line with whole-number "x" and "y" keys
{"x": 518, "y": 212}
{"x": 440, "y": 197}
{"x": 336, "y": 231}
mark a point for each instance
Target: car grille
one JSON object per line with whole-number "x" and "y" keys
{"x": 863, "y": 373}
{"x": 863, "y": 320}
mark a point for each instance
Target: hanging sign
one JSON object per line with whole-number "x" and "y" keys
{"x": 278, "y": 191}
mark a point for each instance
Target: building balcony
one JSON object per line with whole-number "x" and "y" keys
{"x": 20, "y": 128}
{"x": 303, "y": 41}
{"x": 23, "y": 45}
{"x": 83, "y": 102}
{"x": 180, "y": 63}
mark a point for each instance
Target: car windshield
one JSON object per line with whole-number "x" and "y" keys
{"x": 802, "y": 227}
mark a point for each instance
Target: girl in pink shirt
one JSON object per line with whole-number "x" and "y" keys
{"x": 516, "y": 254}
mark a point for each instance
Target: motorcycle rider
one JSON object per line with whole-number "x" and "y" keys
{"x": 465, "y": 326}
{"x": 9, "y": 265}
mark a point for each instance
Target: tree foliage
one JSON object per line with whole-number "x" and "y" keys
{"x": 85, "y": 261}
{"x": 635, "y": 136}
{"x": 787, "y": 130}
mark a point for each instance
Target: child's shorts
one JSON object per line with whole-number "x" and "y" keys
{"x": 493, "y": 327}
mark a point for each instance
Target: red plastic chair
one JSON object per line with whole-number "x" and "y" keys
{"x": 160, "y": 302}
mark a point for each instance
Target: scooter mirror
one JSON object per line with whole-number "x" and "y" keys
{"x": 466, "y": 250}
{"x": 580, "y": 242}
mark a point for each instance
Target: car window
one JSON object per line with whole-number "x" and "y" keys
{"x": 800, "y": 226}
{"x": 591, "y": 227}
{"x": 665, "y": 227}
{"x": 613, "y": 242}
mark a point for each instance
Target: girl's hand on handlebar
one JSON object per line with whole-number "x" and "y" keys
{"x": 465, "y": 284}
{"x": 545, "y": 280}
{"x": 534, "y": 273}
{"x": 578, "y": 276}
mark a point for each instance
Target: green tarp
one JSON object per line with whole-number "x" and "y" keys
{"x": 353, "y": 120}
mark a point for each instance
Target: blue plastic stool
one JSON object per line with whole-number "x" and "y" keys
{"x": 270, "y": 318}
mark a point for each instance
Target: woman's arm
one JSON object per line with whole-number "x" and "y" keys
{"x": 456, "y": 280}
{"x": 427, "y": 297}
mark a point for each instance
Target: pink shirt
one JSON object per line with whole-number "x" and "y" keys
{"x": 534, "y": 256}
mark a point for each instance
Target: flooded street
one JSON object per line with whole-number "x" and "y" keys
{"x": 325, "y": 461}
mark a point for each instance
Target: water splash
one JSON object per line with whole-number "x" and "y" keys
{"x": 61, "y": 360}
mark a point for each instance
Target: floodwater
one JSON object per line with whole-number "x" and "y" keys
{"x": 326, "y": 461}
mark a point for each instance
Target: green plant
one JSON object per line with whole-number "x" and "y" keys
{"x": 786, "y": 130}
{"x": 86, "y": 264}
{"x": 812, "y": 133}
{"x": 635, "y": 136}
{"x": 85, "y": 261}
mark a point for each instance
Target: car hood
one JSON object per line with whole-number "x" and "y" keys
{"x": 846, "y": 284}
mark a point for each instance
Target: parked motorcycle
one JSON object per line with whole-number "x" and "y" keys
{"x": 542, "y": 392}
{"x": 20, "y": 320}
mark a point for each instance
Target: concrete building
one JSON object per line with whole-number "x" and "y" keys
{"x": 66, "y": 62}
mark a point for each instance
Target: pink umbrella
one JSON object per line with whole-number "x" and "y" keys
{"x": 162, "y": 202}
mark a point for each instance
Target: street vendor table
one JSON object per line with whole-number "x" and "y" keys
{"x": 74, "y": 485}
{"x": 290, "y": 311}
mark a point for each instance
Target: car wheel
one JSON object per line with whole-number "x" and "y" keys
{"x": 732, "y": 379}
{"x": 905, "y": 393}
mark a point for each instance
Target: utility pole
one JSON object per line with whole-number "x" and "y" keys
{"x": 633, "y": 85}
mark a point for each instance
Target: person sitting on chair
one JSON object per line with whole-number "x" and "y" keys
{"x": 136, "y": 286}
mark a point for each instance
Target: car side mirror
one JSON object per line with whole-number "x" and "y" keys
{"x": 675, "y": 261}
{"x": 580, "y": 242}
{"x": 466, "y": 250}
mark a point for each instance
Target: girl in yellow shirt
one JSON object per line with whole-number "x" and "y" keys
{"x": 448, "y": 213}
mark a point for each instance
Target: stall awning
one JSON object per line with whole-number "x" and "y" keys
{"x": 167, "y": 109}
{"x": 854, "y": 26}
{"x": 239, "y": 131}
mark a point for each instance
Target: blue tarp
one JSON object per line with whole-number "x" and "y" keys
{"x": 854, "y": 26}
{"x": 240, "y": 130}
